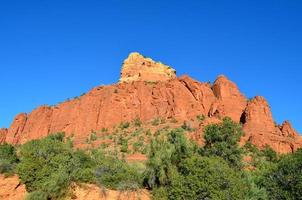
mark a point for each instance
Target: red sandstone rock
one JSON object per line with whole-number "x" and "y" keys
{"x": 11, "y": 188}
{"x": 230, "y": 102}
{"x": 261, "y": 130}
{"x": 288, "y": 131}
{"x": 181, "y": 98}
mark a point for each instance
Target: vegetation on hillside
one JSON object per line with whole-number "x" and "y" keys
{"x": 177, "y": 168}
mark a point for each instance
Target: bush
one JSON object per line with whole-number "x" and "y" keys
{"x": 222, "y": 140}
{"x": 187, "y": 126}
{"x": 115, "y": 174}
{"x": 93, "y": 136}
{"x": 285, "y": 180}
{"x": 155, "y": 122}
{"x": 164, "y": 156}
{"x": 8, "y": 159}
{"x": 137, "y": 122}
{"x": 206, "y": 178}
{"x": 124, "y": 125}
{"x": 200, "y": 118}
{"x": 49, "y": 166}
{"x": 37, "y": 195}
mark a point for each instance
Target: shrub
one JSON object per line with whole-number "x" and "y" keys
{"x": 200, "y": 118}
{"x": 206, "y": 178}
{"x": 187, "y": 126}
{"x": 164, "y": 156}
{"x": 137, "y": 122}
{"x": 93, "y": 136}
{"x": 114, "y": 173}
{"x": 49, "y": 166}
{"x": 222, "y": 140}
{"x": 37, "y": 195}
{"x": 285, "y": 180}
{"x": 124, "y": 125}
{"x": 269, "y": 154}
{"x": 155, "y": 122}
{"x": 124, "y": 147}
{"x": 8, "y": 159}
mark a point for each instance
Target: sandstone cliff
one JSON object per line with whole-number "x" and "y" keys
{"x": 149, "y": 90}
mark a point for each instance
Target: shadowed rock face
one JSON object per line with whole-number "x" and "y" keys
{"x": 150, "y": 96}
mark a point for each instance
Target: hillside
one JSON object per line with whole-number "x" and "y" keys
{"x": 150, "y": 90}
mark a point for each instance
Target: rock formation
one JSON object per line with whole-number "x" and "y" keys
{"x": 149, "y": 90}
{"x": 138, "y": 68}
{"x": 261, "y": 130}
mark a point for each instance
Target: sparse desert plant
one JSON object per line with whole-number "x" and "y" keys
{"x": 187, "y": 126}
{"x": 200, "y": 118}
{"x": 124, "y": 125}
{"x": 93, "y": 136}
{"x": 137, "y": 122}
{"x": 155, "y": 122}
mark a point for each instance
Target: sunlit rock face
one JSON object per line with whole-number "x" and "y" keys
{"x": 138, "y": 68}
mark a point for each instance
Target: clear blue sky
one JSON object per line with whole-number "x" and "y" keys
{"x": 53, "y": 50}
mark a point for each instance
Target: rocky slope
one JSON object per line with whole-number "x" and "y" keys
{"x": 149, "y": 90}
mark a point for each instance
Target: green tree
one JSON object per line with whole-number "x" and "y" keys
{"x": 49, "y": 165}
{"x": 207, "y": 178}
{"x": 222, "y": 140}
{"x": 164, "y": 157}
{"x": 285, "y": 180}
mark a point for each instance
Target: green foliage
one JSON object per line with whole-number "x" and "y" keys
{"x": 8, "y": 159}
{"x": 137, "y": 122}
{"x": 36, "y": 195}
{"x": 200, "y": 118}
{"x": 187, "y": 126}
{"x": 269, "y": 154}
{"x": 124, "y": 125}
{"x": 207, "y": 178}
{"x": 164, "y": 156}
{"x": 93, "y": 136}
{"x": 222, "y": 140}
{"x": 124, "y": 147}
{"x": 49, "y": 165}
{"x": 116, "y": 174}
{"x": 285, "y": 180}
{"x": 155, "y": 122}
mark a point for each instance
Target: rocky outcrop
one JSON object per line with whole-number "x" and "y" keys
{"x": 11, "y": 188}
{"x": 230, "y": 102}
{"x": 261, "y": 130}
{"x": 138, "y": 68}
{"x": 150, "y": 90}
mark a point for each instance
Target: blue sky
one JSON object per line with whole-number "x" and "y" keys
{"x": 54, "y": 50}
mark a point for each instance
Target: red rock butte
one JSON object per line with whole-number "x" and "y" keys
{"x": 148, "y": 90}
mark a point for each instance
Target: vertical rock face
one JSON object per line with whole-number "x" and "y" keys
{"x": 261, "y": 130}
{"x": 16, "y": 130}
{"x": 150, "y": 90}
{"x": 230, "y": 102}
{"x": 138, "y": 68}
